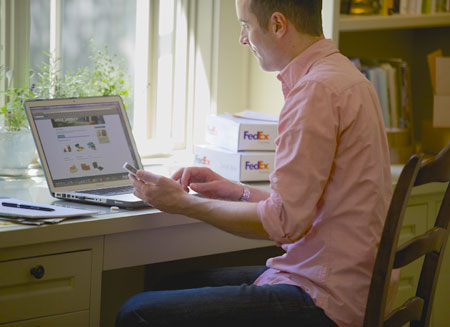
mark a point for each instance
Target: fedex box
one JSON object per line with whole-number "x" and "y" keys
{"x": 441, "y": 107}
{"x": 248, "y": 166}
{"x": 240, "y": 134}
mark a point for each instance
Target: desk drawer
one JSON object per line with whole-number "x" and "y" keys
{"x": 75, "y": 319}
{"x": 44, "y": 286}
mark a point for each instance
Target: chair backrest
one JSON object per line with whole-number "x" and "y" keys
{"x": 384, "y": 261}
{"x": 417, "y": 309}
{"x": 432, "y": 243}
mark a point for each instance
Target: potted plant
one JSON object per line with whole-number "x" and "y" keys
{"x": 17, "y": 148}
{"x": 106, "y": 76}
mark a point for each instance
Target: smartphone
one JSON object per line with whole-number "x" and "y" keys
{"x": 132, "y": 170}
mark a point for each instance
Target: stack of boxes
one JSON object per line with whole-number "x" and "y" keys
{"x": 239, "y": 149}
{"x": 436, "y": 133}
{"x": 441, "y": 109}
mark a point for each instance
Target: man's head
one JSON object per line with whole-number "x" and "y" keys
{"x": 305, "y": 15}
{"x": 276, "y": 31}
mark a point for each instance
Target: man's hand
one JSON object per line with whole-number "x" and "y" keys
{"x": 170, "y": 195}
{"x": 158, "y": 191}
{"x": 208, "y": 183}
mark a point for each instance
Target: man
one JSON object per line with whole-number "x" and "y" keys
{"x": 330, "y": 191}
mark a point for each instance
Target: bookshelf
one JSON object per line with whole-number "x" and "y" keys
{"x": 410, "y": 37}
{"x": 348, "y": 23}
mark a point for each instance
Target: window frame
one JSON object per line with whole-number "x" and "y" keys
{"x": 14, "y": 42}
{"x": 203, "y": 29}
{"x": 213, "y": 39}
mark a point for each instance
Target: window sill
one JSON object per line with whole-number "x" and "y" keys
{"x": 167, "y": 164}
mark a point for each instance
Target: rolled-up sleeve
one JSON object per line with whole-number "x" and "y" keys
{"x": 269, "y": 212}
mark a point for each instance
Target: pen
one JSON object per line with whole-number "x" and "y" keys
{"x": 26, "y": 206}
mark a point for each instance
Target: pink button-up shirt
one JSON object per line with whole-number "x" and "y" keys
{"x": 331, "y": 180}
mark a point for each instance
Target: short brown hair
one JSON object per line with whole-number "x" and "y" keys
{"x": 306, "y": 15}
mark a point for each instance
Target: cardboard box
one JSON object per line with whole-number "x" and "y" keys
{"x": 434, "y": 139}
{"x": 443, "y": 76}
{"x": 400, "y": 145}
{"x": 240, "y": 134}
{"x": 441, "y": 111}
{"x": 441, "y": 106}
{"x": 399, "y": 137}
{"x": 244, "y": 166}
{"x": 400, "y": 155}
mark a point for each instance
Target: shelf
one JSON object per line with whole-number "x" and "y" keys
{"x": 350, "y": 23}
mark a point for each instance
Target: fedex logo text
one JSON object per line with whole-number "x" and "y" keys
{"x": 202, "y": 160}
{"x": 260, "y": 165}
{"x": 257, "y": 136}
{"x": 212, "y": 130}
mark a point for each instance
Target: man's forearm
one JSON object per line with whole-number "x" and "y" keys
{"x": 238, "y": 218}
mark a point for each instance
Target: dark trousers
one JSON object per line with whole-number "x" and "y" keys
{"x": 222, "y": 297}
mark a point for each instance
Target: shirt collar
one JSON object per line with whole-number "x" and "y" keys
{"x": 300, "y": 65}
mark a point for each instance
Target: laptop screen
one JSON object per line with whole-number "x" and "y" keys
{"x": 83, "y": 142}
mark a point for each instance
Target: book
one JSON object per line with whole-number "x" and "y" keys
{"x": 403, "y": 96}
{"x": 404, "y": 8}
{"x": 426, "y": 7}
{"x": 392, "y": 92}
{"x": 391, "y": 80}
{"x": 387, "y": 7}
{"x": 419, "y": 5}
{"x": 382, "y": 80}
{"x": 378, "y": 77}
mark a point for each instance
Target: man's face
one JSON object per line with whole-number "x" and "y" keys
{"x": 260, "y": 41}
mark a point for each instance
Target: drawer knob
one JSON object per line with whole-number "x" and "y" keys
{"x": 37, "y": 272}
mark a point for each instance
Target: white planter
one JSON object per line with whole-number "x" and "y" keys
{"x": 17, "y": 150}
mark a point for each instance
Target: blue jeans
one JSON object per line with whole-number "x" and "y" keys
{"x": 222, "y": 297}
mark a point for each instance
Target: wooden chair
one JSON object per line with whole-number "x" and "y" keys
{"x": 417, "y": 309}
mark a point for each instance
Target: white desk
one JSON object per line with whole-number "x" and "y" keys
{"x": 76, "y": 252}
{"x": 110, "y": 240}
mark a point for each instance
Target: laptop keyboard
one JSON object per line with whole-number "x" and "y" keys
{"x": 112, "y": 191}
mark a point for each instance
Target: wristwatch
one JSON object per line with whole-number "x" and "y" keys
{"x": 245, "y": 194}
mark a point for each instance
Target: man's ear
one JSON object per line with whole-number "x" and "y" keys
{"x": 278, "y": 23}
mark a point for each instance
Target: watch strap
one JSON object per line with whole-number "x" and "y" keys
{"x": 245, "y": 194}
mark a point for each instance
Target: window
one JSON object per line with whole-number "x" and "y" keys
{"x": 175, "y": 76}
{"x": 167, "y": 46}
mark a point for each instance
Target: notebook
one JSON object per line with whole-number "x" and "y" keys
{"x": 82, "y": 144}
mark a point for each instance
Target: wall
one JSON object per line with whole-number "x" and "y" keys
{"x": 232, "y": 73}
{"x": 265, "y": 93}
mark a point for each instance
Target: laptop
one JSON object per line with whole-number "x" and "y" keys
{"x": 82, "y": 144}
